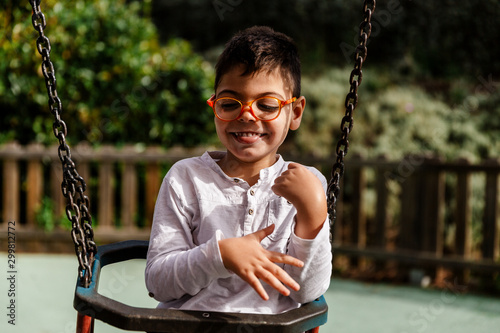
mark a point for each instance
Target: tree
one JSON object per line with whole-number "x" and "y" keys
{"x": 117, "y": 83}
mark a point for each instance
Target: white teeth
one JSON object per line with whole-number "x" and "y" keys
{"x": 245, "y": 134}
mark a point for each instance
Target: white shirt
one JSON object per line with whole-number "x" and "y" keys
{"x": 198, "y": 205}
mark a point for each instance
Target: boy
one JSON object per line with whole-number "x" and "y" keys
{"x": 243, "y": 230}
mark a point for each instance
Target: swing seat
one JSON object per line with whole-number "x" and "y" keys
{"x": 89, "y": 302}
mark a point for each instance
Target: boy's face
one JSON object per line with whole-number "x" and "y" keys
{"x": 250, "y": 141}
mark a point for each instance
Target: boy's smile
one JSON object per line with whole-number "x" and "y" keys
{"x": 251, "y": 143}
{"x": 248, "y": 137}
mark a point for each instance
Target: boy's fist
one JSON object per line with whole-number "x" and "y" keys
{"x": 305, "y": 191}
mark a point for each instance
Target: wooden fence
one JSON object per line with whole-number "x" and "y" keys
{"x": 418, "y": 212}
{"x": 425, "y": 214}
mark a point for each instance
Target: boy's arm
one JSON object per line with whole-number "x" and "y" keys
{"x": 175, "y": 265}
{"x": 310, "y": 241}
{"x": 314, "y": 277}
{"x": 305, "y": 191}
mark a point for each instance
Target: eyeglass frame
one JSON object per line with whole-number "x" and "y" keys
{"x": 211, "y": 102}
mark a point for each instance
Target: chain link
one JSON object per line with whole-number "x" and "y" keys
{"x": 73, "y": 185}
{"x": 351, "y": 102}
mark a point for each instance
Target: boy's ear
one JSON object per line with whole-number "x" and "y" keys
{"x": 297, "y": 111}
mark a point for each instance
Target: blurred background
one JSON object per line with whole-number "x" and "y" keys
{"x": 419, "y": 204}
{"x": 148, "y": 66}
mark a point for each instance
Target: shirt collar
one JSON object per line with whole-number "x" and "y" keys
{"x": 211, "y": 158}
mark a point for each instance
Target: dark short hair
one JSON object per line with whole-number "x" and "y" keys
{"x": 261, "y": 48}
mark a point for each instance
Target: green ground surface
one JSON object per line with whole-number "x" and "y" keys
{"x": 45, "y": 286}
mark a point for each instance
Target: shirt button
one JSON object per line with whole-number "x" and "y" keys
{"x": 252, "y": 192}
{"x": 250, "y": 211}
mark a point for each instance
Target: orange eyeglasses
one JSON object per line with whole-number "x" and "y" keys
{"x": 263, "y": 108}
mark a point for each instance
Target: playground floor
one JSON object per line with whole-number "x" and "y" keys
{"x": 44, "y": 286}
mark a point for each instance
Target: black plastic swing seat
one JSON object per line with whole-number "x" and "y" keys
{"x": 90, "y": 303}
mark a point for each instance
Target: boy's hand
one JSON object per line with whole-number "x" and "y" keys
{"x": 246, "y": 257}
{"x": 305, "y": 191}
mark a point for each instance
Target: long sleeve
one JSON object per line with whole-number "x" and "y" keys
{"x": 175, "y": 265}
{"x": 314, "y": 277}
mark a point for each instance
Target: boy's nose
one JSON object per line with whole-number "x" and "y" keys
{"x": 247, "y": 114}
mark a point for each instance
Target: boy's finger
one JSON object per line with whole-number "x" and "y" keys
{"x": 286, "y": 279}
{"x": 255, "y": 284}
{"x": 284, "y": 177}
{"x": 277, "y": 284}
{"x": 281, "y": 258}
{"x": 263, "y": 233}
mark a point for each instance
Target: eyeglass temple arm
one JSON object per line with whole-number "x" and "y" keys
{"x": 211, "y": 101}
{"x": 291, "y": 100}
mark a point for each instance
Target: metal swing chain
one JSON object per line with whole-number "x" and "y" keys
{"x": 351, "y": 101}
{"x": 73, "y": 185}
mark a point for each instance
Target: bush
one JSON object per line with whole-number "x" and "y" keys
{"x": 47, "y": 219}
{"x": 394, "y": 120}
{"x": 116, "y": 82}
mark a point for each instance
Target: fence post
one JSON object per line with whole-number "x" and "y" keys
{"x": 463, "y": 218}
{"x": 34, "y": 179}
{"x": 129, "y": 191}
{"x": 410, "y": 178}
{"x": 381, "y": 218}
{"x": 153, "y": 183}
{"x": 432, "y": 222}
{"x": 11, "y": 186}
{"x": 490, "y": 245}
{"x": 358, "y": 225}
{"x": 433, "y": 209}
{"x": 105, "y": 207}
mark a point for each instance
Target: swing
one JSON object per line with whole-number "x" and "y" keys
{"x": 91, "y": 305}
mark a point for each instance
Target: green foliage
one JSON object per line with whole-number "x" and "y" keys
{"x": 117, "y": 83}
{"x": 44, "y": 215}
{"x": 46, "y": 219}
{"x": 395, "y": 120}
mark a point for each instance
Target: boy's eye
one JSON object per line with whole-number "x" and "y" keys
{"x": 267, "y": 105}
{"x": 229, "y": 105}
